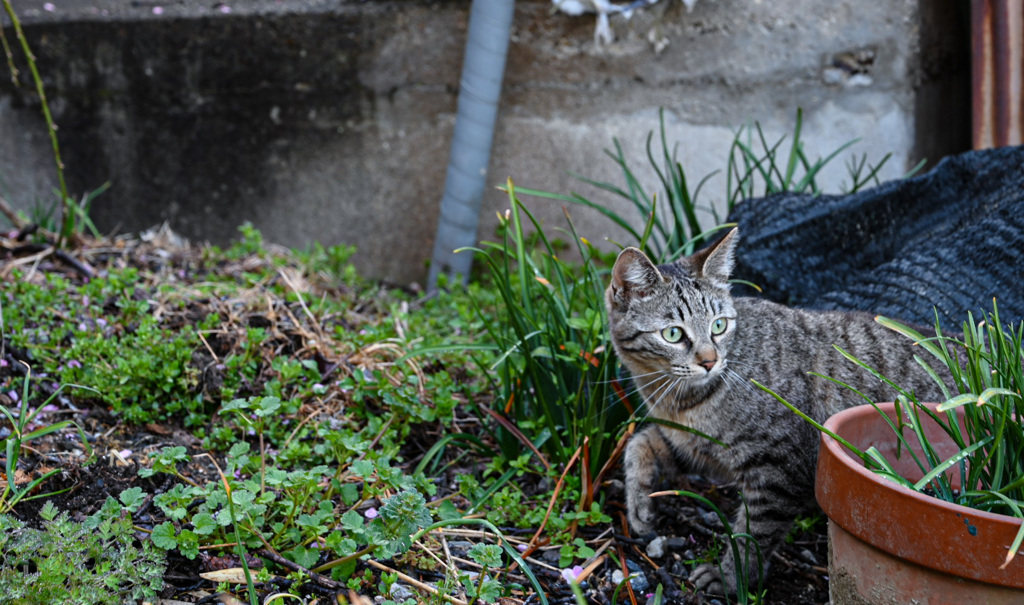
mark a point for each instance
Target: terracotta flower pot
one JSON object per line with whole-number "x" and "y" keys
{"x": 889, "y": 544}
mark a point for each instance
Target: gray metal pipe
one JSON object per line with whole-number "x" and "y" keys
{"x": 490, "y": 24}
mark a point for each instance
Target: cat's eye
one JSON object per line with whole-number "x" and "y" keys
{"x": 673, "y": 334}
{"x": 718, "y": 326}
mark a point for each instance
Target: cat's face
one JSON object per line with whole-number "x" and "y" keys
{"x": 673, "y": 323}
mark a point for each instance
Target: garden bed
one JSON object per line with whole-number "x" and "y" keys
{"x": 202, "y": 359}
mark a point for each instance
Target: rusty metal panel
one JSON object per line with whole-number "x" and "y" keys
{"x": 997, "y": 40}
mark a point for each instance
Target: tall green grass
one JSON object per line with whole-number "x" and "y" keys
{"x": 556, "y": 383}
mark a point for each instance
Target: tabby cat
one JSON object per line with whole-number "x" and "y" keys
{"x": 692, "y": 350}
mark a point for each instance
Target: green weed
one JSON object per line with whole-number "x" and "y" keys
{"x": 87, "y": 563}
{"x": 23, "y": 431}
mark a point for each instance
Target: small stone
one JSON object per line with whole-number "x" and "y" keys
{"x": 551, "y": 556}
{"x": 679, "y": 570}
{"x": 640, "y": 583}
{"x": 459, "y": 547}
{"x": 400, "y": 592}
{"x": 656, "y": 548}
{"x": 676, "y": 543}
{"x": 832, "y": 76}
{"x": 808, "y": 556}
{"x": 860, "y": 80}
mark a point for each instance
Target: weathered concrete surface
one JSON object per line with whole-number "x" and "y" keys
{"x": 331, "y": 119}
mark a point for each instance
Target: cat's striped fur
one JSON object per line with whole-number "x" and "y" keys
{"x": 702, "y": 380}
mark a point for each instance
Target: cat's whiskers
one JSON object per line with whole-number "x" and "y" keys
{"x": 664, "y": 383}
{"x": 647, "y": 382}
{"x": 636, "y": 385}
{"x": 661, "y": 382}
{"x": 629, "y": 378}
{"x": 671, "y": 387}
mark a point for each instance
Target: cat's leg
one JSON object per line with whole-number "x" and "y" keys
{"x": 648, "y": 459}
{"x": 770, "y": 505}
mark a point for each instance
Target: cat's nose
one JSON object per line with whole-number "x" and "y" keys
{"x": 708, "y": 364}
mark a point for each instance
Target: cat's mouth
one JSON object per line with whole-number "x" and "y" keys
{"x": 708, "y": 375}
{"x": 698, "y": 375}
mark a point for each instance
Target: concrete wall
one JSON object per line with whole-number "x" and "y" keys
{"x": 330, "y": 120}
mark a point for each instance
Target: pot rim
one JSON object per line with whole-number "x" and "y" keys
{"x": 935, "y": 533}
{"x": 862, "y": 412}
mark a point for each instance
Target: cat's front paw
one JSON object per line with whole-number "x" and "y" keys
{"x": 641, "y": 515}
{"x": 707, "y": 578}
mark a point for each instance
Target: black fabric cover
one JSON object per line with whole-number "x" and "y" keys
{"x": 951, "y": 239}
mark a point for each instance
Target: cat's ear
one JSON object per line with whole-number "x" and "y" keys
{"x": 717, "y": 260}
{"x": 634, "y": 275}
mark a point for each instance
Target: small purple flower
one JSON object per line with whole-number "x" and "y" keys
{"x": 371, "y": 513}
{"x": 13, "y": 395}
{"x": 74, "y": 363}
{"x": 101, "y": 322}
{"x": 158, "y": 10}
{"x": 49, "y": 7}
{"x": 49, "y": 408}
{"x": 125, "y": 453}
{"x": 3, "y": 363}
{"x": 570, "y": 574}
{"x": 522, "y": 547}
{"x": 225, "y": 9}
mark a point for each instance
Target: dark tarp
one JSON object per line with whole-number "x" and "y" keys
{"x": 951, "y": 239}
